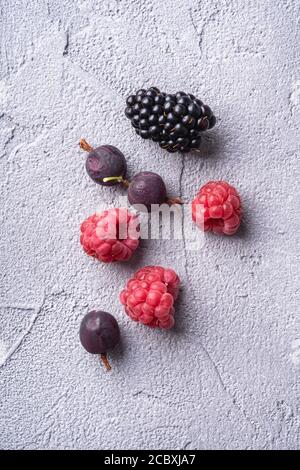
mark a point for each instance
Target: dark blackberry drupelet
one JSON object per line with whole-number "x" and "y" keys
{"x": 175, "y": 121}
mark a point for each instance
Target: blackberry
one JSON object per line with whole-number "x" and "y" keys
{"x": 175, "y": 121}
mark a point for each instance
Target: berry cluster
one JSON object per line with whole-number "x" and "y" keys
{"x": 149, "y": 296}
{"x": 174, "y": 121}
{"x": 111, "y": 235}
{"x": 106, "y": 165}
{"x": 217, "y": 208}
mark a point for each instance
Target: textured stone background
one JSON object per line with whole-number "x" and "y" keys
{"x": 227, "y": 376}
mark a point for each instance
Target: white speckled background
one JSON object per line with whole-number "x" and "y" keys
{"x": 228, "y": 375}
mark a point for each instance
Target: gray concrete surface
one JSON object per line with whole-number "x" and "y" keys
{"x": 228, "y": 375}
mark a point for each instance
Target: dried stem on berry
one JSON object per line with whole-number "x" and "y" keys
{"x": 84, "y": 145}
{"x": 105, "y": 362}
{"x": 126, "y": 183}
{"x": 174, "y": 200}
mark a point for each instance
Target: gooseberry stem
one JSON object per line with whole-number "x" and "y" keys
{"x": 105, "y": 361}
{"x": 119, "y": 179}
{"x": 84, "y": 145}
{"x": 174, "y": 200}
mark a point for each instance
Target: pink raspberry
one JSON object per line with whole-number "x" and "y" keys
{"x": 217, "y": 208}
{"x": 110, "y": 236}
{"x": 149, "y": 296}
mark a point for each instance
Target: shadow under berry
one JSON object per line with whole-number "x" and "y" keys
{"x": 212, "y": 146}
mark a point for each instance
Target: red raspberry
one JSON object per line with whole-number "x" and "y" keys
{"x": 110, "y": 236}
{"x": 217, "y": 208}
{"x": 149, "y": 296}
